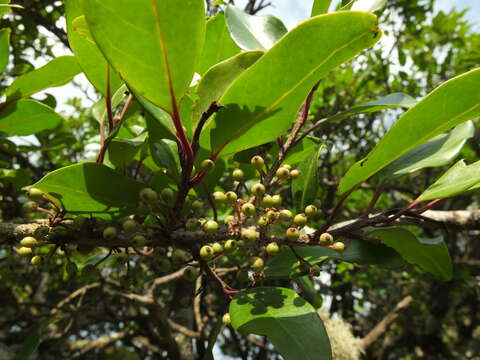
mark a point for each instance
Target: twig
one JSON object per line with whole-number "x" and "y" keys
{"x": 212, "y": 109}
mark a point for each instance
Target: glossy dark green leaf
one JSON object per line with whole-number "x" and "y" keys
{"x": 456, "y": 180}
{"x": 4, "y": 48}
{"x": 253, "y": 32}
{"x": 57, "y": 72}
{"x": 436, "y": 152}
{"x": 89, "y": 57}
{"x": 305, "y": 186}
{"x": 284, "y": 264}
{"x": 26, "y": 117}
{"x": 430, "y": 254}
{"x": 309, "y": 292}
{"x": 259, "y": 106}
{"x": 320, "y": 7}
{"x": 90, "y": 188}
{"x": 218, "y": 78}
{"x": 219, "y": 45}
{"x": 290, "y": 323}
{"x": 452, "y": 103}
{"x": 154, "y": 45}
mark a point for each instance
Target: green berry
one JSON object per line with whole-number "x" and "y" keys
{"x": 271, "y": 215}
{"x": 338, "y": 246}
{"x": 229, "y": 219}
{"x": 207, "y": 252}
{"x": 267, "y": 201}
{"x": 248, "y": 209}
{"x": 207, "y": 165}
{"x": 29, "y": 207}
{"x": 148, "y": 195}
{"x": 300, "y": 220}
{"x": 238, "y": 174}
{"x": 282, "y": 173}
{"x": 139, "y": 241}
{"x": 168, "y": 195}
{"x": 79, "y": 221}
{"x": 287, "y": 166}
{"x": 129, "y": 226}
{"x": 179, "y": 256}
{"x": 276, "y": 200}
{"x": 24, "y": 251}
{"x": 217, "y": 248}
{"x": 219, "y": 197}
{"x": 286, "y": 215}
{"x": 272, "y": 248}
{"x": 192, "y": 224}
{"x": 164, "y": 265}
{"x": 231, "y": 197}
{"x": 121, "y": 258}
{"x": 226, "y": 319}
{"x": 257, "y": 162}
{"x": 37, "y": 259}
{"x": 325, "y": 239}
{"x": 257, "y": 189}
{"x": 311, "y": 211}
{"x": 262, "y": 221}
{"x": 210, "y": 226}
{"x": 29, "y": 241}
{"x": 256, "y": 264}
{"x": 197, "y": 206}
{"x": 190, "y": 273}
{"x": 292, "y": 234}
{"x": 35, "y": 194}
{"x": 110, "y": 233}
{"x": 230, "y": 245}
{"x": 295, "y": 173}
{"x": 249, "y": 235}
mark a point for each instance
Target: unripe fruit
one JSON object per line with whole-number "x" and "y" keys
{"x": 139, "y": 241}
{"x": 192, "y": 224}
{"x": 256, "y": 264}
{"x": 315, "y": 270}
{"x": 249, "y": 235}
{"x": 29, "y": 241}
{"x": 210, "y": 227}
{"x": 37, "y": 259}
{"x": 338, "y": 246}
{"x": 226, "y": 319}
{"x": 272, "y": 248}
{"x": 129, "y": 226}
{"x": 24, "y": 251}
{"x": 248, "y": 209}
{"x": 190, "y": 273}
{"x": 179, "y": 256}
{"x": 287, "y": 166}
{"x": 300, "y": 220}
{"x": 148, "y": 195}
{"x": 231, "y": 197}
{"x": 164, "y": 265}
{"x": 79, "y": 221}
{"x": 325, "y": 239}
{"x": 219, "y": 197}
{"x": 121, "y": 258}
{"x": 271, "y": 215}
{"x": 257, "y": 162}
{"x": 230, "y": 245}
{"x": 229, "y": 219}
{"x": 217, "y": 248}
{"x": 292, "y": 234}
{"x": 277, "y": 200}
{"x": 282, "y": 173}
{"x": 35, "y": 194}
{"x": 206, "y": 252}
{"x": 294, "y": 173}
{"x": 29, "y": 207}
{"x": 207, "y": 165}
{"x": 110, "y": 233}
{"x": 168, "y": 195}
{"x": 257, "y": 189}
{"x": 262, "y": 221}
{"x": 242, "y": 276}
{"x": 197, "y": 206}
{"x": 142, "y": 208}
{"x": 267, "y": 201}
{"x": 311, "y": 211}
{"x": 286, "y": 215}
{"x": 238, "y": 174}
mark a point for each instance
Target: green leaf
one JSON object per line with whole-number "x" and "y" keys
{"x": 218, "y": 46}
{"x": 320, "y": 7}
{"x": 99, "y": 110}
{"x": 212, "y": 339}
{"x": 19, "y": 178}
{"x": 121, "y": 152}
{"x": 31, "y": 342}
{"x": 89, "y": 57}
{"x": 369, "y": 5}
{"x": 218, "y": 78}
{"x": 90, "y": 188}
{"x": 450, "y": 104}
{"x": 305, "y": 186}
{"x": 252, "y": 32}
{"x": 158, "y": 120}
{"x": 266, "y": 110}
{"x": 165, "y": 154}
{"x": 290, "y": 323}
{"x": 57, "y": 72}
{"x": 154, "y": 44}
{"x": 4, "y": 9}
{"x": 26, "y": 117}
{"x": 456, "y": 180}
{"x": 436, "y": 152}
{"x": 4, "y": 48}
{"x": 284, "y": 264}
{"x": 299, "y": 152}
{"x": 309, "y": 292}
{"x": 430, "y": 254}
